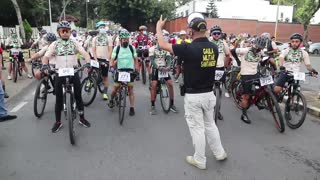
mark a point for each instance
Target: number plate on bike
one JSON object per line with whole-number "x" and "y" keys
{"x": 266, "y": 80}
{"x": 124, "y": 77}
{"x": 66, "y": 72}
{"x": 162, "y": 74}
{"x": 218, "y": 75}
{"x": 94, "y": 63}
{"x": 299, "y": 76}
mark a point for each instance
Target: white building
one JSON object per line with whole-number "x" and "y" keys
{"x": 239, "y": 9}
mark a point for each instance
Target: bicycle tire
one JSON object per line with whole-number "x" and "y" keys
{"x": 272, "y": 102}
{"x": 32, "y": 69}
{"x": 217, "y": 92}
{"x": 19, "y": 69}
{"x": 15, "y": 71}
{"x": 70, "y": 118}
{"x": 237, "y": 91}
{"x": 228, "y": 81}
{"x": 37, "y": 113}
{"x": 143, "y": 73}
{"x": 164, "y": 93}
{"x": 87, "y": 90}
{"x": 122, "y": 103}
{"x": 303, "y": 106}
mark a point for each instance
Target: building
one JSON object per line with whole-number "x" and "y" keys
{"x": 260, "y": 10}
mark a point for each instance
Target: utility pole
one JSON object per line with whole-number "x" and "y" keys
{"x": 276, "y": 27}
{"x": 50, "y": 15}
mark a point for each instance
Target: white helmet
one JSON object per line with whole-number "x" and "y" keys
{"x": 182, "y": 32}
{"x": 194, "y": 15}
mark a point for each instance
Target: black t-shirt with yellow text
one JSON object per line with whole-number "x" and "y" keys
{"x": 200, "y": 60}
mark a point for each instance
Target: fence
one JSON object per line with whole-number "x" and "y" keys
{"x": 252, "y": 27}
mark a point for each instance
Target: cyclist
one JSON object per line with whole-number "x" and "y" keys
{"x": 291, "y": 59}
{"x": 14, "y": 42}
{"x": 124, "y": 57}
{"x": 142, "y": 44}
{"x": 250, "y": 57}
{"x": 65, "y": 50}
{"x": 161, "y": 61}
{"x": 50, "y": 37}
{"x": 272, "y": 49}
{"x": 41, "y": 41}
{"x": 88, "y": 43}
{"x": 102, "y": 49}
{"x": 224, "y": 53}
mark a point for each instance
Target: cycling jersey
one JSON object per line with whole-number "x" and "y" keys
{"x": 249, "y": 61}
{"x": 43, "y": 51}
{"x": 41, "y": 41}
{"x": 142, "y": 40}
{"x": 293, "y": 59}
{"x": 223, "y": 51}
{"x": 15, "y": 42}
{"x": 160, "y": 57}
{"x": 179, "y": 41}
{"x": 125, "y": 60}
{"x": 102, "y": 42}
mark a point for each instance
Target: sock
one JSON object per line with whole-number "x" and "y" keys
{"x": 171, "y": 101}
{"x": 152, "y": 103}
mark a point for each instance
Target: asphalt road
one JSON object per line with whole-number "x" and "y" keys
{"x": 152, "y": 147}
{"x": 311, "y": 83}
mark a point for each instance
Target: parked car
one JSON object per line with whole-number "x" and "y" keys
{"x": 314, "y": 48}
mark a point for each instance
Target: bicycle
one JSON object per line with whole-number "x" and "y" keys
{"x": 124, "y": 77}
{"x": 143, "y": 63}
{"x": 69, "y": 103}
{"x": 262, "y": 97}
{"x": 231, "y": 76}
{"x": 296, "y": 100}
{"x": 217, "y": 91}
{"x": 40, "y": 96}
{"x": 16, "y": 66}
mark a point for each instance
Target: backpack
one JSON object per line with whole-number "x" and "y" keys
{"x": 118, "y": 49}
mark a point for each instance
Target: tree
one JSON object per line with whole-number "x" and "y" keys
{"x": 18, "y": 12}
{"x": 181, "y": 2}
{"x": 131, "y": 14}
{"x": 28, "y": 30}
{"x": 305, "y": 10}
{"x": 212, "y": 9}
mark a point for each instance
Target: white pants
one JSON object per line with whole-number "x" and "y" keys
{"x": 199, "y": 110}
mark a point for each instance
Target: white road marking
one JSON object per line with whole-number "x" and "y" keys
{"x": 18, "y": 107}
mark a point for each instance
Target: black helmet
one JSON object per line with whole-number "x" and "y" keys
{"x": 260, "y": 42}
{"x": 296, "y": 36}
{"x": 50, "y": 37}
{"x": 215, "y": 28}
{"x": 63, "y": 24}
{"x": 43, "y": 31}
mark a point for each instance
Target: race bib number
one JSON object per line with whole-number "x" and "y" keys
{"x": 15, "y": 52}
{"x": 218, "y": 75}
{"x": 162, "y": 74}
{"x": 124, "y": 77}
{"x": 299, "y": 76}
{"x": 266, "y": 81}
{"x": 66, "y": 72}
{"x": 94, "y": 63}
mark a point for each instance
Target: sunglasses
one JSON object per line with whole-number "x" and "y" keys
{"x": 216, "y": 33}
{"x": 65, "y": 31}
{"x": 295, "y": 41}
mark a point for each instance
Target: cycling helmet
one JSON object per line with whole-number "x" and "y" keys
{"x": 182, "y": 32}
{"x": 260, "y": 42}
{"x": 143, "y": 27}
{"x": 296, "y": 36}
{"x": 100, "y": 23}
{"x": 63, "y": 24}
{"x": 43, "y": 31}
{"x": 50, "y": 37}
{"x": 124, "y": 34}
{"x": 93, "y": 32}
{"x": 215, "y": 28}
{"x": 265, "y": 35}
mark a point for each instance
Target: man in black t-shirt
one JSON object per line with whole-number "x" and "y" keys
{"x": 200, "y": 58}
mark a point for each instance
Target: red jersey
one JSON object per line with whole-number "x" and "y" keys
{"x": 142, "y": 40}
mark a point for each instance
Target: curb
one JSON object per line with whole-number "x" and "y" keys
{"x": 311, "y": 110}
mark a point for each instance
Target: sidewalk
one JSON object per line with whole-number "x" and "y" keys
{"x": 313, "y": 103}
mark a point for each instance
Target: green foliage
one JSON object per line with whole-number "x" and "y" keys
{"x": 27, "y": 29}
{"x": 212, "y": 9}
{"x": 132, "y": 13}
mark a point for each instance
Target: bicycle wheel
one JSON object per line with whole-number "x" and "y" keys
{"x": 80, "y": 73}
{"x": 100, "y": 85}
{"x": 275, "y": 110}
{"x": 40, "y": 98}
{"x": 70, "y": 118}
{"x": 19, "y": 69}
{"x": 237, "y": 91}
{"x": 164, "y": 96}
{"x": 88, "y": 90}
{"x": 217, "y": 92}
{"x": 228, "y": 81}
{"x": 14, "y": 71}
{"x": 32, "y": 68}
{"x": 143, "y": 72}
{"x": 295, "y": 110}
{"x": 122, "y": 103}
